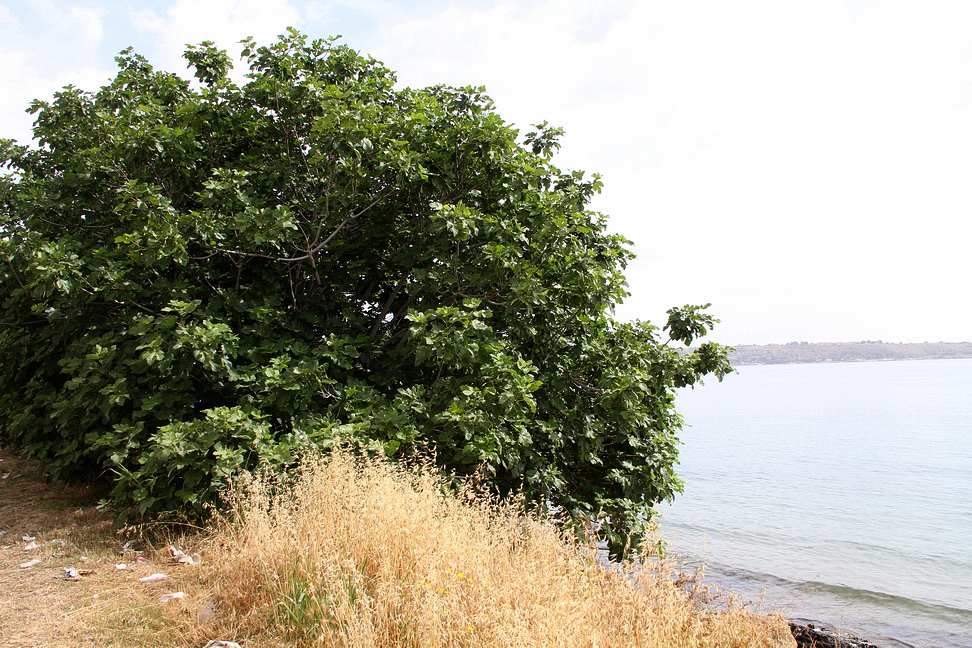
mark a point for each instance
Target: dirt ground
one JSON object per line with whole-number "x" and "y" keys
{"x": 61, "y": 528}
{"x": 56, "y": 526}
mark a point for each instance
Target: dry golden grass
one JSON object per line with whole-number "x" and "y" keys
{"x": 361, "y": 553}
{"x": 351, "y": 553}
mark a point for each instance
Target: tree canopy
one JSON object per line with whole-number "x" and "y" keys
{"x": 200, "y": 278}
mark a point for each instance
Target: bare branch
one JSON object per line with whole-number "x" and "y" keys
{"x": 138, "y": 306}
{"x": 388, "y": 303}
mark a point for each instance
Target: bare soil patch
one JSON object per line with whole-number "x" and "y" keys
{"x": 59, "y": 527}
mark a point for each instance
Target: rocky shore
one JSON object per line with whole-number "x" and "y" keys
{"x": 812, "y": 636}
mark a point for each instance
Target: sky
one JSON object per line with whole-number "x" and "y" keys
{"x": 806, "y": 167}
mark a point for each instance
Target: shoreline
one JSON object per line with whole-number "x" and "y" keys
{"x": 820, "y": 635}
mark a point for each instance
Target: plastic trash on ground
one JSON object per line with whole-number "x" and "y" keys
{"x": 165, "y": 598}
{"x": 30, "y": 563}
{"x": 153, "y": 578}
{"x": 178, "y": 556}
{"x": 31, "y": 545}
{"x": 216, "y": 643}
{"x": 129, "y": 546}
{"x": 75, "y": 574}
{"x": 206, "y": 613}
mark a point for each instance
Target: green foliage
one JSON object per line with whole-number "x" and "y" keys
{"x": 198, "y": 281}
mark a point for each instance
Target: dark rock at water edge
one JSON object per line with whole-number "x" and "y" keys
{"x": 811, "y": 636}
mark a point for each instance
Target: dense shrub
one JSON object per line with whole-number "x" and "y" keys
{"x": 198, "y": 279}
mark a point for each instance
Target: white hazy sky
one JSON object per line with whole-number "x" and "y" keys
{"x": 804, "y": 166}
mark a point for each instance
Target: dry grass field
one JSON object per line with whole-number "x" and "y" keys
{"x": 348, "y": 553}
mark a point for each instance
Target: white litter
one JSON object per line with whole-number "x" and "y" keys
{"x": 121, "y": 566}
{"x": 153, "y": 578}
{"x": 30, "y": 563}
{"x": 206, "y": 613}
{"x": 178, "y": 556}
{"x": 32, "y": 545}
{"x": 129, "y": 546}
{"x": 165, "y": 598}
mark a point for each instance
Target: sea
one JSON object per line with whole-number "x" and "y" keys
{"x": 835, "y": 493}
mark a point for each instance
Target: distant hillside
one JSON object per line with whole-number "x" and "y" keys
{"x": 803, "y": 352}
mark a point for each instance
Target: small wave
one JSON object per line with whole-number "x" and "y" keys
{"x": 896, "y": 616}
{"x": 881, "y": 599}
{"x": 899, "y": 603}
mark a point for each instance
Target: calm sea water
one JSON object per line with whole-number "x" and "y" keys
{"x": 839, "y": 492}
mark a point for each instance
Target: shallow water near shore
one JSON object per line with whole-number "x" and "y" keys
{"x": 838, "y": 492}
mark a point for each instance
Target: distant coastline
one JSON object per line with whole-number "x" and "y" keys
{"x": 866, "y": 351}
